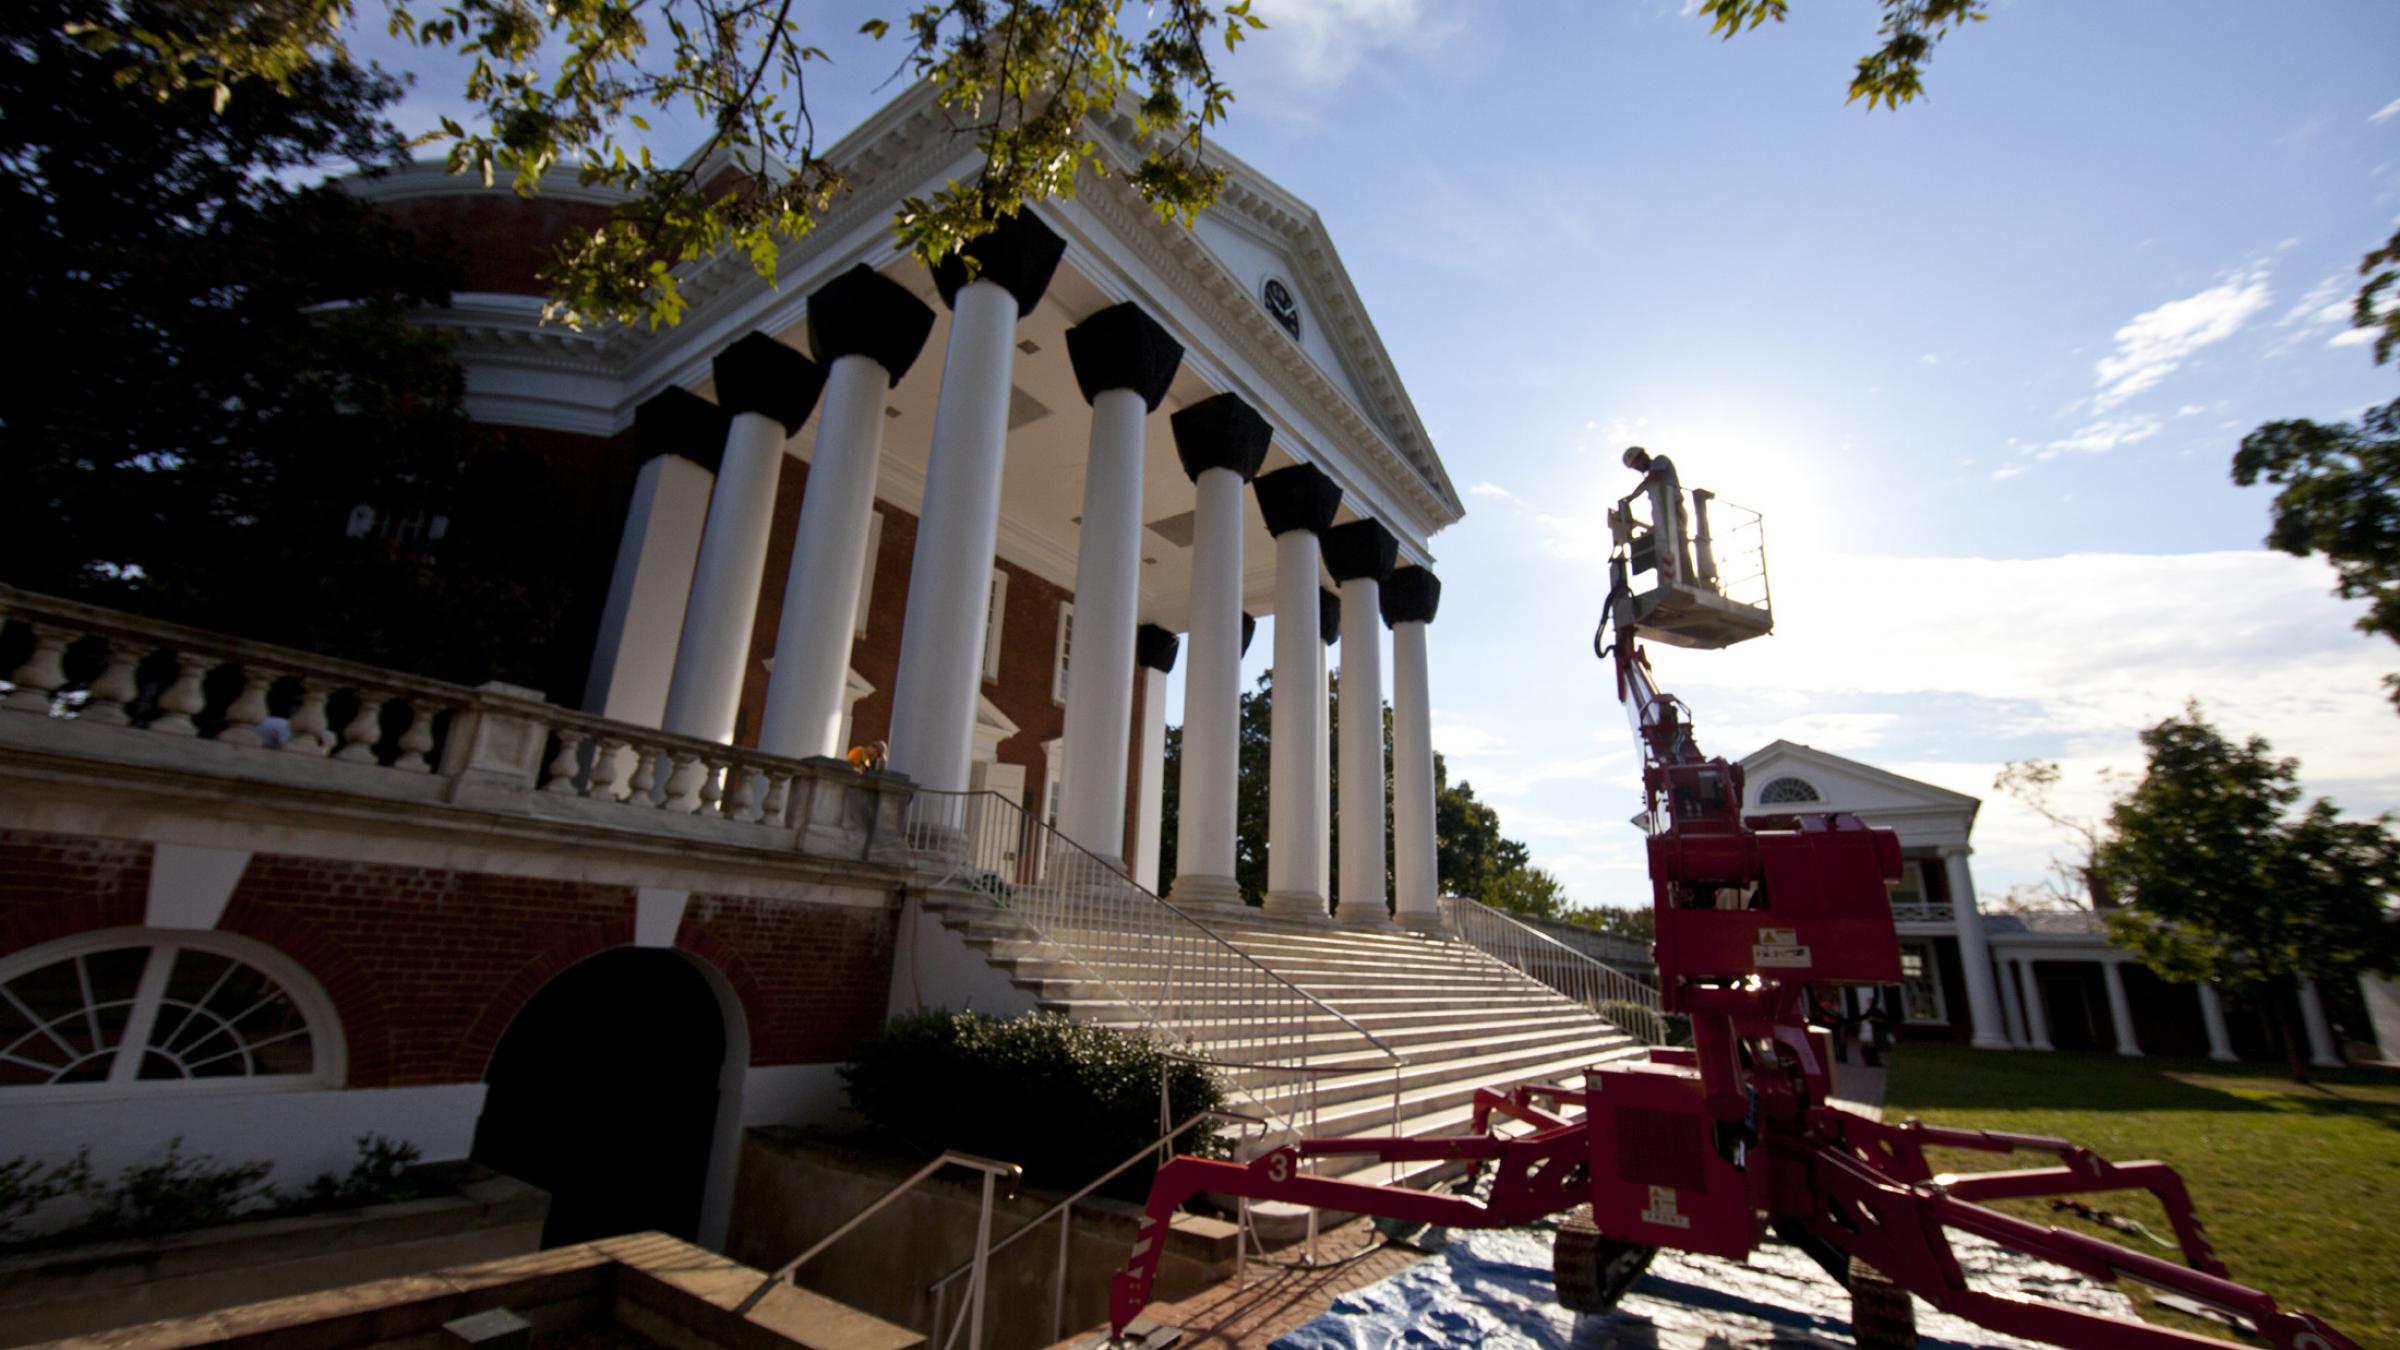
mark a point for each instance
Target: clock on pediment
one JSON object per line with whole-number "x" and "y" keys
{"x": 1281, "y": 307}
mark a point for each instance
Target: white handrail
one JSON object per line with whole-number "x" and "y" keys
{"x": 1184, "y": 980}
{"x": 992, "y": 1171}
{"x": 1061, "y": 1211}
{"x": 1608, "y": 992}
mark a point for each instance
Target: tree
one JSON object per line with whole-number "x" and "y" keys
{"x": 2340, "y": 490}
{"x": 226, "y": 371}
{"x": 1890, "y": 75}
{"x": 1470, "y": 856}
{"x": 1528, "y": 890}
{"x": 2221, "y": 882}
{"x": 569, "y": 87}
{"x": 2073, "y": 882}
{"x": 1638, "y": 923}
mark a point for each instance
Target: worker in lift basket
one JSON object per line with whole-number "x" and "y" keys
{"x": 1666, "y": 514}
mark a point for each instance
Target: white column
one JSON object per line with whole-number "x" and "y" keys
{"x": 633, "y": 660}
{"x": 829, "y": 556}
{"x": 1212, "y": 699}
{"x": 1149, "y": 811}
{"x": 950, "y": 576}
{"x": 1296, "y": 796}
{"x": 1974, "y": 951}
{"x": 2010, "y": 1007}
{"x": 706, "y": 688}
{"x": 2120, "y": 1011}
{"x": 1108, "y": 568}
{"x": 1328, "y": 632}
{"x": 2037, "y": 1021}
{"x": 1409, "y": 602}
{"x": 1362, "y": 804}
{"x": 2212, "y": 1015}
{"x": 1220, "y": 442}
{"x": 2321, "y": 1051}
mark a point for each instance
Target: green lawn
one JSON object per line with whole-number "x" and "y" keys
{"x": 2299, "y": 1184}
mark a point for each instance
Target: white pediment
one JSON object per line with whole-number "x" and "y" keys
{"x": 1781, "y": 776}
{"x": 992, "y": 726}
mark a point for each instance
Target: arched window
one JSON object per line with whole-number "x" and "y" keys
{"x": 1787, "y": 790}
{"x": 139, "y": 1008}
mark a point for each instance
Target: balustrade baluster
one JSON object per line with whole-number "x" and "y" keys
{"x": 310, "y": 731}
{"x": 564, "y": 765}
{"x": 741, "y": 794}
{"x": 682, "y": 784}
{"x": 184, "y": 698}
{"x": 38, "y": 680}
{"x": 778, "y": 808}
{"x": 642, "y": 788}
{"x": 604, "y": 769}
{"x": 250, "y": 709}
{"x": 710, "y": 791}
{"x": 116, "y": 687}
{"x": 358, "y": 738}
{"x": 418, "y": 739}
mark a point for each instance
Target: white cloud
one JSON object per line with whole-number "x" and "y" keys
{"x": 2386, "y": 113}
{"x": 1312, "y": 47}
{"x": 2098, "y": 438}
{"x": 2157, "y": 342}
{"x": 1488, "y": 488}
{"x": 1931, "y": 358}
{"x": 2006, "y": 472}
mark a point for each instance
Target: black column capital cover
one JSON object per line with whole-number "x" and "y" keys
{"x": 757, "y": 374}
{"x": 1019, "y": 254}
{"x": 1411, "y": 596}
{"x": 1221, "y": 432}
{"x": 1329, "y": 617}
{"x": 1360, "y": 549}
{"x": 862, "y": 312}
{"x": 1249, "y": 630}
{"x": 1155, "y": 647}
{"x": 1122, "y": 348}
{"x": 676, "y": 421}
{"x": 1298, "y": 498}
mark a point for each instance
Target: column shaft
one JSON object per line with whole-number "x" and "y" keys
{"x": 1297, "y": 805}
{"x": 706, "y": 690}
{"x": 2212, "y": 1015}
{"x": 1212, "y": 698}
{"x": 1362, "y": 805}
{"x": 1149, "y": 813}
{"x": 2321, "y": 1050}
{"x": 632, "y": 662}
{"x": 829, "y": 558}
{"x": 1416, "y": 882}
{"x": 2037, "y": 1020}
{"x": 1974, "y": 953}
{"x": 1321, "y": 708}
{"x": 2009, "y": 1006}
{"x": 950, "y": 575}
{"x": 2120, "y": 1011}
{"x": 1108, "y": 567}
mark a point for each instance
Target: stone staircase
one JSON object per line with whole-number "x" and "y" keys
{"x": 1409, "y": 1025}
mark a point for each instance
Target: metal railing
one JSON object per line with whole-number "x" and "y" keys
{"x": 1608, "y": 992}
{"x": 978, "y": 1266}
{"x": 1063, "y": 1211}
{"x": 1173, "y": 974}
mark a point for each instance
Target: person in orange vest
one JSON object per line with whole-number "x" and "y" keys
{"x": 867, "y": 758}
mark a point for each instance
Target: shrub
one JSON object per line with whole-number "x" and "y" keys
{"x": 182, "y": 1192}
{"x": 1063, "y": 1100}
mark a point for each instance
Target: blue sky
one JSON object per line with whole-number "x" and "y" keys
{"x": 1982, "y": 362}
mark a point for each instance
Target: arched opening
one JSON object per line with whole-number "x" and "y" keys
{"x": 604, "y": 1092}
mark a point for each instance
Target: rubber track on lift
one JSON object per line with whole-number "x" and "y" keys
{"x": 1882, "y": 1317}
{"x": 1592, "y": 1271}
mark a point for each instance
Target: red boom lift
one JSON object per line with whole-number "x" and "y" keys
{"x": 1708, "y": 1148}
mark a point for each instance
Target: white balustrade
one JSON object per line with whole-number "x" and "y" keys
{"x": 1608, "y": 992}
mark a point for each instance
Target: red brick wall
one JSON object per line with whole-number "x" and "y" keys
{"x": 1028, "y": 641}
{"x": 428, "y": 966}
{"x": 503, "y": 239}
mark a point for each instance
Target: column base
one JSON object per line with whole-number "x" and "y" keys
{"x": 1299, "y": 906}
{"x": 1196, "y": 891}
{"x": 1419, "y": 921}
{"x": 2226, "y": 1057}
{"x": 2130, "y": 1052}
{"x": 1989, "y": 1043}
{"x": 2045, "y": 1046}
{"x": 2315, "y": 1063}
{"x": 1366, "y": 918}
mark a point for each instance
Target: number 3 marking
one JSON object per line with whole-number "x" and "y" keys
{"x": 1279, "y": 1168}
